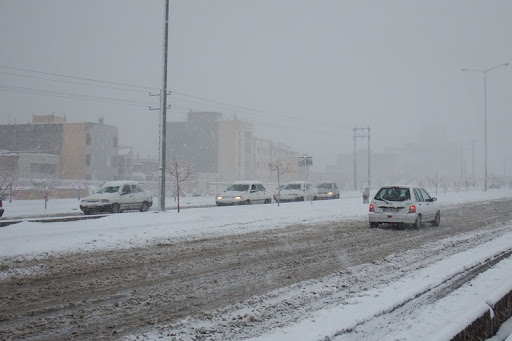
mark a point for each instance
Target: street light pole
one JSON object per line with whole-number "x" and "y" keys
{"x": 485, "y": 114}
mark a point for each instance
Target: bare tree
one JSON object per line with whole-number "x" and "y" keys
{"x": 7, "y": 180}
{"x": 46, "y": 187}
{"x": 180, "y": 173}
{"x": 435, "y": 180}
{"x": 467, "y": 184}
{"x": 445, "y": 185}
{"x": 421, "y": 182}
{"x": 280, "y": 168}
{"x": 457, "y": 185}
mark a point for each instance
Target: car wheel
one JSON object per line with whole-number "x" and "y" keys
{"x": 144, "y": 207}
{"x": 247, "y": 202}
{"x": 373, "y": 225}
{"x": 87, "y": 211}
{"x": 315, "y": 198}
{"x": 115, "y": 208}
{"x": 267, "y": 201}
{"x": 437, "y": 219}
{"x": 417, "y": 223}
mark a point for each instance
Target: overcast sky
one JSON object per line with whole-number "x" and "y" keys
{"x": 303, "y": 72}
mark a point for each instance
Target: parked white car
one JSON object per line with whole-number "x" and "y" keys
{"x": 409, "y": 205}
{"x": 298, "y": 191}
{"x": 328, "y": 190}
{"x": 117, "y": 196}
{"x": 244, "y": 193}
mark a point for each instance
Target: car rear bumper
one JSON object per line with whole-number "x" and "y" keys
{"x": 392, "y": 218}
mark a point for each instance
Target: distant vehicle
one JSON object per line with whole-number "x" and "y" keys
{"x": 117, "y": 196}
{"x": 410, "y": 205}
{"x": 494, "y": 186}
{"x": 298, "y": 191}
{"x": 328, "y": 190}
{"x": 1, "y": 207}
{"x": 244, "y": 193}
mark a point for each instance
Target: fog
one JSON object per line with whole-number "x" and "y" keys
{"x": 304, "y": 73}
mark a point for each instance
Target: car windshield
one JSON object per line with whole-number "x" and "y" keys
{"x": 393, "y": 194}
{"x": 326, "y": 185}
{"x": 293, "y": 186}
{"x": 238, "y": 188}
{"x": 110, "y": 189}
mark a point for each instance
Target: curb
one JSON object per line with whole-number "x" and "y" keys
{"x": 489, "y": 322}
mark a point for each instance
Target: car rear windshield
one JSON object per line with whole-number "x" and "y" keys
{"x": 393, "y": 194}
{"x": 111, "y": 189}
{"x": 238, "y": 188}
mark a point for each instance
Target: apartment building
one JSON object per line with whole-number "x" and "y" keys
{"x": 86, "y": 150}
{"x": 223, "y": 149}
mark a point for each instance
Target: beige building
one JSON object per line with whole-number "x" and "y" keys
{"x": 86, "y": 150}
{"x": 235, "y": 156}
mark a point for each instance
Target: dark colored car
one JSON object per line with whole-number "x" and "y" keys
{"x": 1, "y": 208}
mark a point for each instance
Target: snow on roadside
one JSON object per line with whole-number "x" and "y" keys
{"x": 138, "y": 229}
{"x": 356, "y": 296}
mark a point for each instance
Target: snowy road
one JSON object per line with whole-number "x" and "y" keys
{"x": 231, "y": 286}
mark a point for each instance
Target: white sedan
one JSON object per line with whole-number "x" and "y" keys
{"x": 411, "y": 205}
{"x": 117, "y": 196}
{"x": 298, "y": 191}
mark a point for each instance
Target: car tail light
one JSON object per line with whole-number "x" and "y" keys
{"x": 412, "y": 209}
{"x": 372, "y": 209}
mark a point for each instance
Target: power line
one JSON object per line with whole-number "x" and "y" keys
{"x": 239, "y": 109}
{"x": 70, "y": 95}
{"x": 231, "y": 106}
{"x": 70, "y": 82}
{"x": 80, "y": 78}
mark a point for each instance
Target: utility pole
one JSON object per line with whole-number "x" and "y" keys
{"x": 163, "y": 114}
{"x": 361, "y": 133}
{"x": 473, "y": 163}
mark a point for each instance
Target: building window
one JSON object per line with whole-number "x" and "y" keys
{"x": 43, "y": 168}
{"x": 88, "y": 159}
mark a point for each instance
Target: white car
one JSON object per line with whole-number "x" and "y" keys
{"x": 298, "y": 191}
{"x": 411, "y": 205}
{"x": 117, "y": 196}
{"x": 328, "y": 190}
{"x": 244, "y": 193}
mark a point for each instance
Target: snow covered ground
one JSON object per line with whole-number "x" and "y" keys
{"x": 439, "y": 321}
